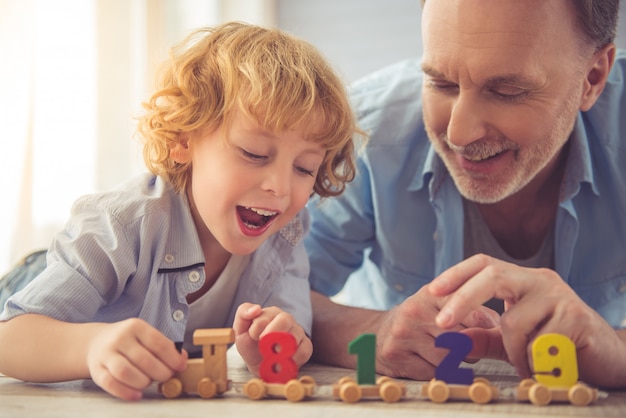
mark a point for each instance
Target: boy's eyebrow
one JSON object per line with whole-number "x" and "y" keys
{"x": 268, "y": 134}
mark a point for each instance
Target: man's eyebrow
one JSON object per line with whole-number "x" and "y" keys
{"x": 430, "y": 71}
{"x": 516, "y": 79}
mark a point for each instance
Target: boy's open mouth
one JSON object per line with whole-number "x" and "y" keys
{"x": 255, "y": 218}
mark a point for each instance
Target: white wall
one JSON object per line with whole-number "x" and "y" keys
{"x": 357, "y": 36}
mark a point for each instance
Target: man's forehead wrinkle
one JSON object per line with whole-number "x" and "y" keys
{"x": 488, "y": 39}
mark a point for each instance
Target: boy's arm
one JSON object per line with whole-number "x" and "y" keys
{"x": 37, "y": 348}
{"x": 123, "y": 357}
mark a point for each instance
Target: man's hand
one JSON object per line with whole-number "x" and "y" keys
{"x": 537, "y": 301}
{"x": 406, "y": 335}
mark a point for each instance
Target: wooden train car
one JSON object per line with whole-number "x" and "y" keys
{"x": 539, "y": 394}
{"x": 294, "y": 390}
{"x": 480, "y": 392}
{"x": 387, "y": 389}
{"x": 206, "y": 376}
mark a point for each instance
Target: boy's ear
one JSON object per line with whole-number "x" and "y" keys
{"x": 597, "y": 75}
{"x": 179, "y": 150}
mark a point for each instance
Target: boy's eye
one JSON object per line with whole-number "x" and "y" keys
{"x": 305, "y": 171}
{"x": 252, "y": 156}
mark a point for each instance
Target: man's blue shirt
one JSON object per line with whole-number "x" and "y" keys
{"x": 400, "y": 223}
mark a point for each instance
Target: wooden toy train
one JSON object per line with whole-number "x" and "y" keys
{"x": 556, "y": 379}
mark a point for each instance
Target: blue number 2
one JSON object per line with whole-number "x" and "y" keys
{"x": 448, "y": 370}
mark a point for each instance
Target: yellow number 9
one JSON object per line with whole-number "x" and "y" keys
{"x": 554, "y": 360}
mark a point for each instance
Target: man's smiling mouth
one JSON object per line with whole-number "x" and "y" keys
{"x": 478, "y": 158}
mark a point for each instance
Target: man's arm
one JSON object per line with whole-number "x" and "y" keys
{"x": 334, "y": 326}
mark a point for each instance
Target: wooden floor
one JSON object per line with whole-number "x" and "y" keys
{"x": 84, "y": 399}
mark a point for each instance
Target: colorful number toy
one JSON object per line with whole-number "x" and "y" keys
{"x": 452, "y": 382}
{"x": 366, "y": 385}
{"x": 278, "y": 371}
{"x": 555, "y": 374}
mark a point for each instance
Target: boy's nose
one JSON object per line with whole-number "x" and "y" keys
{"x": 277, "y": 182}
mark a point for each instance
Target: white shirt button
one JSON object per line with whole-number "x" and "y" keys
{"x": 399, "y": 287}
{"x": 178, "y": 315}
{"x": 194, "y": 276}
{"x": 169, "y": 258}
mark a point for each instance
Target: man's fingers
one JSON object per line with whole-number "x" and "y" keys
{"x": 473, "y": 288}
{"x": 487, "y": 343}
{"x": 454, "y": 277}
{"x": 481, "y": 317}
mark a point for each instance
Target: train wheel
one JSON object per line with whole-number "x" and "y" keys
{"x": 383, "y": 379}
{"x": 480, "y": 392}
{"x": 580, "y": 395}
{"x": 307, "y": 380}
{"x": 171, "y": 388}
{"x": 526, "y": 384}
{"x": 350, "y": 392}
{"x": 539, "y": 394}
{"x": 254, "y": 389}
{"x": 294, "y": 391}
{"x": 390, "y": 391}
{"x": 206, "y": 388}
{"x": 438, "y": 391}
{"x": 346, "y": 379}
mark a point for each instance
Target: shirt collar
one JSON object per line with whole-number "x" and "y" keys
{"x": 579, "y": 168}
{"x": 182, "y": 248}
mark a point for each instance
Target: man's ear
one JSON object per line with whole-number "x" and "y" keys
{"x": 179, "y": 150}
{"x": 601, "y": 64}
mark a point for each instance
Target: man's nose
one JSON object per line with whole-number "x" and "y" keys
{"x": 466, "y": 123}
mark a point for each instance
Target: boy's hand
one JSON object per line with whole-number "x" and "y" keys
{"x": 126, "y": 357}
{"x": 253, "y": 322}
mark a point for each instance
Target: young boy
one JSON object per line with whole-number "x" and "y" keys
{"x": 246, "y": 125}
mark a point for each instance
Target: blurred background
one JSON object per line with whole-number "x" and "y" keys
{"x": 74, "y": 74}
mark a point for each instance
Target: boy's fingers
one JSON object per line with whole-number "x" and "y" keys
{"x": 244, "y": 316}
{"x": 282, "y": 322}
{"x": 104, "y": 378}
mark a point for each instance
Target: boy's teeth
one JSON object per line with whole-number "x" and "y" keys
{"x": 262, "y": 211}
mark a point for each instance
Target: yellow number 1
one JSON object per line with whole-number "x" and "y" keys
{"x": 554, "y": 360}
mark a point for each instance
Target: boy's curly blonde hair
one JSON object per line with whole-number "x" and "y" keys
{"x": 270, "y": 76}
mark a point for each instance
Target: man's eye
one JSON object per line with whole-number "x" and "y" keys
{"x": 510, "y": 95}
{"x": 443, "y": 86}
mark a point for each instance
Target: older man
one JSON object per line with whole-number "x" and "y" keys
{"x": 495, "y": 171}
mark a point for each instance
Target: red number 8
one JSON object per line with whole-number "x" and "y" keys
{"x": 277, "y": 349}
